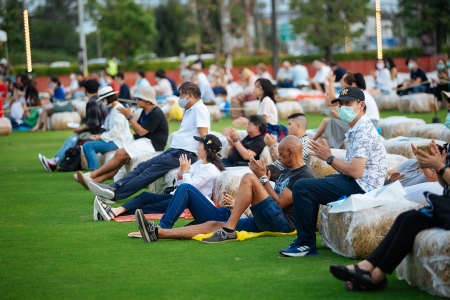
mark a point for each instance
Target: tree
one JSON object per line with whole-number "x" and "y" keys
{"x": 426, "y": 15}
{"x": 126, "y": 28}
{"x": 11, "y": 14}
{"x": 326, "y": 23}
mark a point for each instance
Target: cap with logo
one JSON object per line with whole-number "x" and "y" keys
{"x": 212, "y": 142}
{"x": 349, "y": 94}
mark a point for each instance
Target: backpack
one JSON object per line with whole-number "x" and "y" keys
{"x": 279, "y": 131}
{"x": 72, "y": 160}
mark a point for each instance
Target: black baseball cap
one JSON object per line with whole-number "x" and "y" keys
{"x": 212, "y": 142}
{"x": 349, "y": 94}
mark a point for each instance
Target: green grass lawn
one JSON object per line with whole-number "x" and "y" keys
{"x": 50, "y": 248}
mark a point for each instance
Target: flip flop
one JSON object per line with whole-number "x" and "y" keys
{"x": 105, "y": 211}
{"x": 359, "y": 276}
{"x": 135, "y": 235}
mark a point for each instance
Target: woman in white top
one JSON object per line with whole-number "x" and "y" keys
{"x": 117, "y": 132}
{"x": 195, "y": 183}
{"x": 382, "y": 77}
{"x": 164, "y": 88}
{"x": 264, "y": 92}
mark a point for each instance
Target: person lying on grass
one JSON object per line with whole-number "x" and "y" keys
{"x": 272, "y": 209}
{"x": 200, "y": 176}
{"x": 370, "y": 274}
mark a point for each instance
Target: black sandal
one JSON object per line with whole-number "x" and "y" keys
{"x": 362, "y": 277}
{"x": 356, "y": 287}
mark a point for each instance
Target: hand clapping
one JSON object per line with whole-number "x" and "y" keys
{"x": 185, "y": 163}
{"x": 320, "y": 150}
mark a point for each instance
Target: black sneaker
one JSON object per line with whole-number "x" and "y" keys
{"x": 102, "y": 190}
{"x": 147, "y": 228}
{"x": 220, "y": 236}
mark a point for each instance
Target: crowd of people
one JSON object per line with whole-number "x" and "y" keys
{"x": 281, "y": 197}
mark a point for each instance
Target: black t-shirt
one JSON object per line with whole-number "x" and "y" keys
{"x": 124, "y": 92}
{"x": 255, "y": 144}
{"x": 419, "y": 73}
{"x": 339, "y": 73}
{"x": 286, "y": 180}
{"x": 158, "y": 128}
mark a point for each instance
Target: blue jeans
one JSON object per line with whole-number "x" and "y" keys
{"x": 148, "y": 171}
{"x": 92, "y": 148}
{"x": 149, "y": 203}
{"x": 267, "y": 216}
{"x": 70, "y": 142}
{"x": 415, "y": 89}
{"x": 187, "y": 196}
{"x": 307, "y": 194}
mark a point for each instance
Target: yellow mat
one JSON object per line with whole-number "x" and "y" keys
{"x": 243, "y": 235}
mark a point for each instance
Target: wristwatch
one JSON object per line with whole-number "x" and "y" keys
{"x": 272, "y": 147}
{"x": 129, "y": 117}
{"x": 263, "y": 179}
{"x": 442, "y": 170}
{"x": 330, "y": 160}
{"x": 235, "y": 140}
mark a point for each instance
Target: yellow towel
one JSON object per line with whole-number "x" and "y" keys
{"x": 243, "y": 235}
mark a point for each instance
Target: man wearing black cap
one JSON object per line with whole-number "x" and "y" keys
{"x": 363, "y": 169}
{"x": 95, "y": 117}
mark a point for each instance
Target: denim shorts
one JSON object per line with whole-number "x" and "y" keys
{"x": 267, "y": 216}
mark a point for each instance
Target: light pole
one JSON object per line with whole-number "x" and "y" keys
{"x": 274, "y": 39}
{"x": 82, "y": 36}
{"x": 26, "y": 28}
{"x": 378, "y": 27}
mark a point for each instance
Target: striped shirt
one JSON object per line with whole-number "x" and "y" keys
{"x": 305, "y": 152}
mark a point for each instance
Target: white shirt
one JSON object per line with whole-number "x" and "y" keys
{"x": 372, "y": 111}
{"x": 165, "y": 87}
{"x": 365, "y": 142}
{"x": 268, "y": 108}
{"x": 195, "y": 117}
{"x": 322, "y": 74}
{"x": 201, "y": 176}
{"x": 118, "y": 128}
{"x": 265, "y": 75}
{"x": 383, "y": 81}
{"x": 203, "y": 78}
{"x": 16, "y": 111}
{"x": 300, "y": 75}
{"x": 284, "y": 74}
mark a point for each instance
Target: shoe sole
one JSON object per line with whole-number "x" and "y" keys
{"x": 42, "y": 160}
{"x": 216, "y": 242}
{"x": 75, "y": 177}
{"x": 101, "y": 210}
{"x": 95, "y": 210}
{"x": 298, "y": 254}
{"x": 98, "y": 191}
{"x": 141, "y": 222}
{"x": 81, "y": 180}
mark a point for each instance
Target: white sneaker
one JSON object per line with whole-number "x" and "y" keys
{"x": 84, "y": 179}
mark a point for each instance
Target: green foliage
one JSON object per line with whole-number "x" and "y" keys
{"x": 326, "y": 23}
{"x": 424, "y": 16}
{"x": 126, "y": 28}
{"x": 12, "y": 22}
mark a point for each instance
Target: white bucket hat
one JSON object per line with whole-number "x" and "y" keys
{"x": 147, "y": 93}
{"x": 105, "y": 92}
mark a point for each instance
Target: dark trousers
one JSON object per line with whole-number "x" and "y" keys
{"x": 149, "y": 171}
{"x": 400, "y": 240}
{"x": 307, "y": 194}
{"x": 150, "y": 203}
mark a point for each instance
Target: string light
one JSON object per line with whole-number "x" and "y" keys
{"x": 348, "y": 47}
{"x": 27, "y": 41}
{"x": 378, "y": 26}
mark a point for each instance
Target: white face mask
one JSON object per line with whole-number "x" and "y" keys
{"x": 380, "y": 66}
{"x": 182, "y": 102}
{"x": 72, "y": 76}
{"x": 410, "y": 65}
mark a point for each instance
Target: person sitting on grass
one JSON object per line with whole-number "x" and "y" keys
{"x": 271, "y": 207}
{"x": 370, "y": 274}
{"x": 151, "y": 133}
{"x": 196, "y": 122}
{"x": 297, "y": 127}
{"x": 251, "y": 146}
{"x": 363, "y": 169}
{"x": 200, "y": 176}
{"x": 95, "y": 117}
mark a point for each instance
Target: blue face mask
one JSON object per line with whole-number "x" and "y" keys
{"x": 448, "y": 64}
{"x": 182, "y": 102}
{"x": 440, "y": 66}
{"x": 346, "y": 113}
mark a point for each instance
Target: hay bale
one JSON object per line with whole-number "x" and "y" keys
{"x": 415, "y": 103}
{"x": 5, "y": 126}
{"x": 428, "y": 265}
{"x": 288, "y": 108}
{"x": 228, "y": 181}
{"x": 251, "y": 108}
{"x": 397, "y": 126}
{"x": 445, "y": 135}
{"x": 321, "y": 169}
{"x": 312, "y": 105}
{"x": 214, "y": 112}
{"x": 402, "y": 145}
{"x": 80, "y": 106}
{"x": 167, "y": 180}
{"x": 357, "y": 234}
{"x": 59, "y": 120}
{"x": 387, "y": 102}
{"x": 428, "y": 131}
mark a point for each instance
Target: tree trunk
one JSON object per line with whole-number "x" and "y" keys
{"x": 250, "y": 26}
{"x": 327, "y": 50}
{"x": 225, "y": 20}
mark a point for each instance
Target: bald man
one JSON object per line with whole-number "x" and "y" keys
{"x": 271, "y": 209}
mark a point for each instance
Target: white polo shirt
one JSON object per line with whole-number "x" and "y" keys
{"x": 365, "y": 142}
{"x": 321, "y": 75}
{"x": 195, "y": 117}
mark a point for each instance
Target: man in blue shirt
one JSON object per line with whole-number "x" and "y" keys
{"x": 124, "y": 92}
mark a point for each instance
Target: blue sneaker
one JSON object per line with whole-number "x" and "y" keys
{"x": 297, "y": 250}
